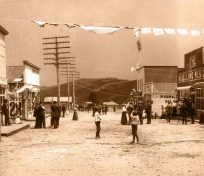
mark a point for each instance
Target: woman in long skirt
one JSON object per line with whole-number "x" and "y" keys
{"x": 124, "y": 116}
{"x": 75, "y": 115}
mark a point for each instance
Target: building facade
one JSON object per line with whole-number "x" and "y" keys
{"x": 191, "y": 78}
{"x": 23, "y": 89}
{"x": 3, "y": 79}
{"x": 157, "y": 84}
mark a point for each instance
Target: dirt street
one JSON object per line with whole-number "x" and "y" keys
{"x": 164, "y": 149}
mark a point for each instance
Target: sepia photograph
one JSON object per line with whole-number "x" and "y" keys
{"x": 101, "y": 88}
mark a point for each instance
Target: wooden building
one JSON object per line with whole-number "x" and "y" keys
{"x": 191, "y": 78}
{"x": 3, "y": 79}
{"x": 23, "y": 89}
{"x": 157, "y": 84}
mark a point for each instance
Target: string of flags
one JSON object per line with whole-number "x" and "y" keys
{"x": 136, "y": 30}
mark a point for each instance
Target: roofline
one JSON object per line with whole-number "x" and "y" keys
{"x": 4, "y": 31}
{"x": 149, "y": 66}
{"x": 30, "y": 64}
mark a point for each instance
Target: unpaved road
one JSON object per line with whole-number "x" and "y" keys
{"x": 164, "y": 149}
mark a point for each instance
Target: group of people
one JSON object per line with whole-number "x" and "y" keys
{"x": 141, "y": 111}
{"x": 184, "y": 108}
{"x": 39, "y": 114}
{"x": 134, "y": 120}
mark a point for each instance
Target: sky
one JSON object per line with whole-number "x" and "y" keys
{"x": 99, "y": 56}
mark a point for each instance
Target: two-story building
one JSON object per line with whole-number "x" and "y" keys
{"x": 191, "y": 78}
{"x": 24, "y": 88}
{"x": 3, "y": 80}
{"x": 157, "y": 84}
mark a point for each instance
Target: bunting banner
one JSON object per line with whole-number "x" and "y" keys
{"x": 100, "y": 30}
{"x": 137, "y": 30}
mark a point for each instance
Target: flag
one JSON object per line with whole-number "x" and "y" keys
{"x": 170, "y": 31}
{"x": 133, "y": 69}
{"x": 195, "y": 33}
{"x": 40, "y": 23}
{"x": 146, "y": 30}
{"x": 182, "y": 31}
{"x": 158, "y": 31}
{"x": 139, "y": 45}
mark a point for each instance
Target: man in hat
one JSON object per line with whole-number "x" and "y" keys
{"x": 5, "y": 112}
{"x": 55, "y": 115}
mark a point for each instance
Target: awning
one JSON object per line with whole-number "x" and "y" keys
{"x": 198, "y": 85}
{"x": 183, "y": 88}
{"x": 29, "y": 87}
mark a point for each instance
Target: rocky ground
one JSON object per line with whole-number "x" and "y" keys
{"x": 164, "y": 149}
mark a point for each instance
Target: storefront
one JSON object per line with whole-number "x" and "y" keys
{"x": 3, "y": 80}
{"x": 191, "y": 79}
{"x": 24, "y": 88}
{"x": 160, "y": 94}
{"x": 158, "y": 85}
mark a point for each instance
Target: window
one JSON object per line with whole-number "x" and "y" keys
{"x": 199, "y": 98}
{"x": 198, "y": 74}
{"x": 190, "y": 75}
{"x": 180, "y": 76}
{"x": 2, "y": 95}
{"x": 192, "y": 61}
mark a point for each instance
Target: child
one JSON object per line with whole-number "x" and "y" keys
{"x": 97, "y": 119}
{"x": 134, "y": 122}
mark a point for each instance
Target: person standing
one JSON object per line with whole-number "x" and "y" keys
{"x": 134, "y": 122}
{"x": 184, "y": 111}
{"x": 41, "y": 113}
{"x": 75, "y": 114}
{"x": 36, "y": 115}
{"x": 169, "y": 111}
{"x": 192, "y": 112}
{"x": 5, "y": 112}
{"x": 55, "y": 115}
{"x": 97, "y": 119}
{"x": 124, "y": 116}
{"x": 129, "y": 111}
{"x": 149, "y": 113}
{"x": 140, "y": 112}
{"x": 63, "y": 110}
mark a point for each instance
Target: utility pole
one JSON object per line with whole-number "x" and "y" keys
{"x": 67, "y": 70}
{"x": 58, "y": 49}
{"x": 74, "y": 75}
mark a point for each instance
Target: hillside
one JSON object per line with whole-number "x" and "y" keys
{"x": 107, "y": 89}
